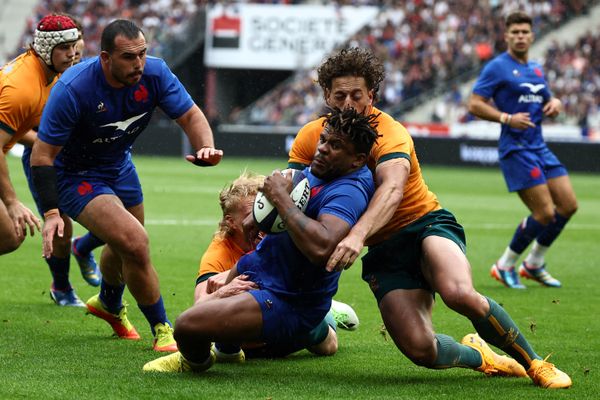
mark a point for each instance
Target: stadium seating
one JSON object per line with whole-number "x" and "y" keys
{"x": 428, "y": 48}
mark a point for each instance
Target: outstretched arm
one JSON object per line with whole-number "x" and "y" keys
{"x": 197, "y": 129}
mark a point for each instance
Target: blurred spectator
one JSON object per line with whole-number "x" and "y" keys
{"x": 427, "y": 46}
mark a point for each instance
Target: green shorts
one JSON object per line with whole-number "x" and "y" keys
{"x": 396, "y": 262}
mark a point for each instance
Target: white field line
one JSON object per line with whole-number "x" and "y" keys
{"x": 213, "y": 222}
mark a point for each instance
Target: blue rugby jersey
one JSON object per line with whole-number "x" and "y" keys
{"x": 96, "y": 124}
{"x": 516, "y": 87}
{"x": 278, "y": 265}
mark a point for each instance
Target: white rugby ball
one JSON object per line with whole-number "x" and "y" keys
{"x": 265, "y": 214}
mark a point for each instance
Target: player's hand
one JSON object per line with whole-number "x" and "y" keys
{"x": 521, "y": 121}
{"x": 345, "y": 253}
{"x": 251, "y": 232}
{"x": 552, "y": 108}
{"x": 216, "y": 282}
{"x": 53, "y": 225}
{"x": 22, "y": 218}
{"x": 277, "y": 186}
{"x": 239, "y": 284}
{"x": 206, "y": 157}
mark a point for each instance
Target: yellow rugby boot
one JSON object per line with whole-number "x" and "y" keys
{"x": 177, "y": 363}
{"x": 163, "y": 338}
{"x": 493, "y": 364}
{"x": 119, "y": 322}
{"x": 546, "y": 375}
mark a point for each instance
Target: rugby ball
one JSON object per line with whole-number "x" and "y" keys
{"x": 265, "y": 214}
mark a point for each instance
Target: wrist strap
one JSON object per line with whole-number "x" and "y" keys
{"x": 44, "y": 180}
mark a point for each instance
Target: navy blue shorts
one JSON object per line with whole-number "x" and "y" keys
{"x": 25, "y": 159}
{"x": 285, "y": 323}
{"x": 76, "y": 191}
{"x": 523, "y": 169}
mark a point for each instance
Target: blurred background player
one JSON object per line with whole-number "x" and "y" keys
{"x": 26, "y": 83}
{"x": 87, "y": 265}
{"x": 81, "y": 162}
{"x": 293, "y": 289}
{"x": 415, "y": 247}
{"x": 522, "y": 99}
{"x": 229, "y": 244}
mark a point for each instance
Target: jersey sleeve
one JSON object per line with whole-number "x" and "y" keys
{"x": 394, "y": 142}
{"x": 174, "y": 99}
{"x": 15, "y": 107}
{"x": 488, "y": 81}
{"x": 349, "y": 200}
{"x": 305, "y": 145}
{"x": 60, "y": 116}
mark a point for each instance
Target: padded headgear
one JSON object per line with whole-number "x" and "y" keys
{"x": 51, "y": 31}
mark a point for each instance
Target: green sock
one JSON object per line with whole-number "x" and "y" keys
{"x": 498, "y": 328}
{"x": 452, "y": 354}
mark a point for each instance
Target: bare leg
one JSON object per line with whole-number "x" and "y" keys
{"x": 233, "y": 319}
{"x": 10, "y": 241}
{"x": 125, "y": 237}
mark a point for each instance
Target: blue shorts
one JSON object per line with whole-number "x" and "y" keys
{"x": 25, "y": 159}
{"x": 75, "y": 191}
{"x": 523, "y": 169}
{"x": 289, "y": 325}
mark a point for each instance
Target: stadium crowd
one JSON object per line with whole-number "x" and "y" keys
{"x": 427, "y": 46}
{"x": 161, "y": 20}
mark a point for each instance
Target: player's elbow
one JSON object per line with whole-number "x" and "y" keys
{"x": 472, "y": 105}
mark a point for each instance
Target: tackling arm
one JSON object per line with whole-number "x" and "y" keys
{"x": 390, "y": 179}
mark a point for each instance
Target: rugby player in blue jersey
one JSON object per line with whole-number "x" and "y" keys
{"x": 81, "y": 164}
{"x": 290, "y": 291}
{"x": 522, "y": 99}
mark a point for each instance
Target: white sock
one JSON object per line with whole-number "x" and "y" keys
{"x": 535, "y": 259}
{"x": 507, "y": 260}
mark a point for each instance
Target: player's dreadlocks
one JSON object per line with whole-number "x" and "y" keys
{"x": 359, "y": 128}
{"x": 354, "y": 61}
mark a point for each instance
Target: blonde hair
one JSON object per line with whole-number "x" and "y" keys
{"x": 230, "y": 197}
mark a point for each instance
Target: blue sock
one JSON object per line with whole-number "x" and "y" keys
{"x": 155, "y": 313}
{"x": 331, "y": 321}
{"x": 527, "y": 230}
{"x": 553, "y": 229}
{"x": 112, "y": 296}
{"x": 86, "y": 243}
{"x": 59, "y": 268}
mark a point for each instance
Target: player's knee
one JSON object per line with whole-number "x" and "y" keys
{"x": 11, "y": 243}
{"x": 137, "y": 248}
{"x": 568, "y": 210}
{"x": 184, "y": 328}
{"x": 327, "y": 347}
{"x": 544, "y": 215}
{"x": 460, "y": 297}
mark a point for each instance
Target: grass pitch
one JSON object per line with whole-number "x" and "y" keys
{"x": 50, "y": 352}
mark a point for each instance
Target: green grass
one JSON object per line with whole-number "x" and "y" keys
{"x": 50, "y": 352}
